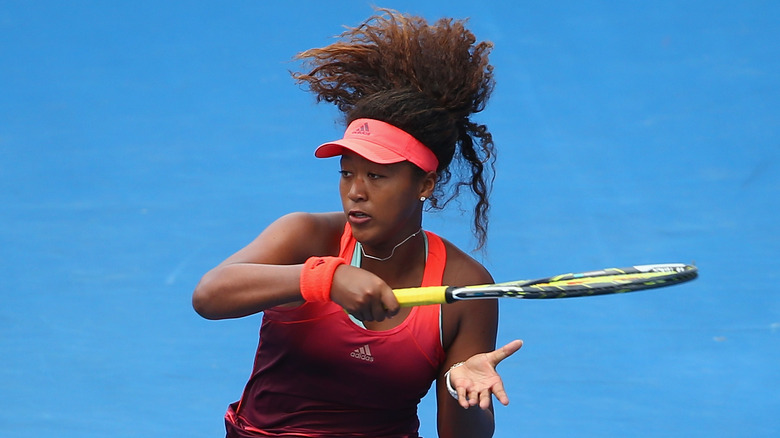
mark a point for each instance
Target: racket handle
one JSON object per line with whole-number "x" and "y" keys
{"x": 420, "y": 296}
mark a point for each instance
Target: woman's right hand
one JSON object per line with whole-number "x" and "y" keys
{"x": 363, "y": 294}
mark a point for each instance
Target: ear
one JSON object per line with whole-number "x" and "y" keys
{"x": 428, "y": 184}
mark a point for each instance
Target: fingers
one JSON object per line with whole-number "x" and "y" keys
{"x": 484, "y": 400}
{"x": 364, "y": 295}
{"x": 500, "y": 394}
{"x": 495, "y": 357}
{"x": 389, "y": 303}
{"x": 463, "y": 398}
{"x": 378, "y": 311}
{"x": 468, "y": 399}
{"x": 379, "y": 308}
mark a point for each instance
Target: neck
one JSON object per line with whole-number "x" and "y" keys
{"x": 392, "y": 251}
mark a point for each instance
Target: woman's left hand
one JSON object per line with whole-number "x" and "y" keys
{"x": 476, "y": 380}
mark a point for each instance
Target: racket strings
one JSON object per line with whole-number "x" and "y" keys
{"x": 574, "y": 285}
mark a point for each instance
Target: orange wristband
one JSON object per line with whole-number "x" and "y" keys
{"x": 317, "y": 277}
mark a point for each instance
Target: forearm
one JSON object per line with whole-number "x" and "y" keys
{"x": 241, "y": 289}
{"x": 456, "y": 422}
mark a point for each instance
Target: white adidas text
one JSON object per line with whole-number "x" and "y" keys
{"x": 363, "y": 353}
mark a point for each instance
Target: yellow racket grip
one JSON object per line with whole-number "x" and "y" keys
{"x": 421, "y": 296}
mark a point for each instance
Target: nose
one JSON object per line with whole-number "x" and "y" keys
{"x": 357, "y": 190}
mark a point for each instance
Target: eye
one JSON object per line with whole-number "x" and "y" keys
{"x": 345, "y": 173}
{"x": 374, "y": 175}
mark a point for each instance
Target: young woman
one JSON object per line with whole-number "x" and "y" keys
{"x": 338, "y": 356}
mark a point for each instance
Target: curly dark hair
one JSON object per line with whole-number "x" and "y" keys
{"x": 427, "y": 79}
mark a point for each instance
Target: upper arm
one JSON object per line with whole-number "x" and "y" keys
{"x": 264, "y": 274}
{"x": 292, "y": 239}
{"x": 469, "y": 327}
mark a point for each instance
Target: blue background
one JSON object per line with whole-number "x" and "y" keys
{"x": 143, "y": 142}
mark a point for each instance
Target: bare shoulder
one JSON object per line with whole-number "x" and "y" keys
{"x": 462, "y": 269}
{"x": 293, "y": 238}
{"x": 304, "y": 225}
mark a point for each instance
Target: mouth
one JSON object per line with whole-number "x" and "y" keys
{"x": 357, "y": 216}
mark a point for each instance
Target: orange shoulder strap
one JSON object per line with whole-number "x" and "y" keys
{"x": 347, "y": 246}
{"x": 437, "y": 260}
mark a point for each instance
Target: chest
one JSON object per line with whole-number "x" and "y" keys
{"x": 404, "y": 359}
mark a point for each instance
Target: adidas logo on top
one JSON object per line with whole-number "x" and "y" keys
{"x": 362, "y": 129}
{"x": 363, "y": 353}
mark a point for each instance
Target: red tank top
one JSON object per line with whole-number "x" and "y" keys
{"x": 317, "y": 373}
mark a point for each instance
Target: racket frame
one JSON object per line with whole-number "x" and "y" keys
{"x": 591, "y": 283}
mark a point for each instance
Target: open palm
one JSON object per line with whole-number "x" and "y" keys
{"x": 476, "y": 379}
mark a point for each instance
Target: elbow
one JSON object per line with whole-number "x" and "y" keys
{"x": 204, "y": 299}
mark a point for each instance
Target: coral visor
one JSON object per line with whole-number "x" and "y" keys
{"x": 381, "y": 143}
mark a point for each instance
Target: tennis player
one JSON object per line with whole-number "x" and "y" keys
{"x": 338, "y": 357}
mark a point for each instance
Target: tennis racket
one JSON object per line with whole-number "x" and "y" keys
{"x": 602, "y": 282}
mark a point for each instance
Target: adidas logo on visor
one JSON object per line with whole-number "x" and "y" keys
{"x": 362, "y": 129}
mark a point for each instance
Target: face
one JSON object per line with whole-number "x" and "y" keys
{"x": 382, "y": 201}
